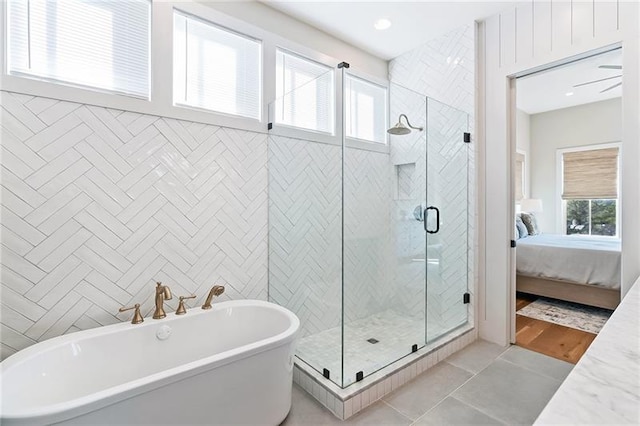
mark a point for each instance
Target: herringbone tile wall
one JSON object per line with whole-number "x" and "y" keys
{"x": 305, "y": 231}
{"x": 447, "y": 188}
{"x": 408, "y": 265}
{"x": 98, "y": 204}
{"x": 442, "y": 69}
{"x": 367, "y": 236}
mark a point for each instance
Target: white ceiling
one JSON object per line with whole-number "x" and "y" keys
{"x": 547, "y": 91}
{"x": 412, "y": 22}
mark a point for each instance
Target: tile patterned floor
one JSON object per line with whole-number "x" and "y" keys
{"x": 395, "y": 333}
{"x": 482, "y": 384}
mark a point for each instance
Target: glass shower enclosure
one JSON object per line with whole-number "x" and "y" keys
{"x": 368, "y": 241}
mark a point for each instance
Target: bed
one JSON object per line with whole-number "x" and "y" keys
{"x": 573, "y": 268}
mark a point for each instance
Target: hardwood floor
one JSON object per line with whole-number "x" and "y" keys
{"x": 565, "y": 343}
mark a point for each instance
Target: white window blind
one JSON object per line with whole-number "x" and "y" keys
{"x": 216, "y": 69}
{"x": 93, "y": 43}
{"x": 591, "y": 174}
{"x": 366, "y": 110}
{"x": 305, "y": 93}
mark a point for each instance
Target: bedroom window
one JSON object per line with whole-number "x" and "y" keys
{"x": 590, "y": 191}
{"x": 591, "y": 217}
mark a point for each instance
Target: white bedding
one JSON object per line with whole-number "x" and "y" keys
{"x": 581, "y": 260}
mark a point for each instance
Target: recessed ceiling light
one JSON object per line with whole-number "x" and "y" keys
{"x": 569, "y": 94}
{"x": 382, "y": 24}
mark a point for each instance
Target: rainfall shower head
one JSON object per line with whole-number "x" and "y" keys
{"x": 400, "y": 129}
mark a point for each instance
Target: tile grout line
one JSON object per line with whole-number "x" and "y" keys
{"x": 467, "y": 381}
{"x": 505, "y": 422}
{"x": 465, "y": 403}
{"x": 534, "y": 371}
{"x": 509, "y": 362}
{"x": 397, "y": 411}
{"x": 464, "y": 383}
{"x": 484, "y": 368}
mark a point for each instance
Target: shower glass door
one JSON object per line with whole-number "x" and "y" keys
{"x": 447, "y": 218}
{"x": 384, "y": 245}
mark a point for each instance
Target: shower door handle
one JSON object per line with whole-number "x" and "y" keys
{"x": 437, "y": 220}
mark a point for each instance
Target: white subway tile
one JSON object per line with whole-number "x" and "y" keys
{"x": 357, "y": 403}
{"x": 348, "y": 408}
{"x": 366, "y": 398}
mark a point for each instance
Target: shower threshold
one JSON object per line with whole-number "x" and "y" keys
{"x": 347, "y": 401}
{"x": 369, "y": 344}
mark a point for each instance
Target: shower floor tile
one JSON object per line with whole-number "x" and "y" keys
{"x": 369, "y": 345}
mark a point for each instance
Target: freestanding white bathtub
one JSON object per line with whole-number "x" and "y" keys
{"x": 232, "y": 364}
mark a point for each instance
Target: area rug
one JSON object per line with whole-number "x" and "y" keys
{"x": 574, "y": 315}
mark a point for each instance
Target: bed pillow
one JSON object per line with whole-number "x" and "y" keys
{"x": 523, "y": 232}
{"x": 531, "y": 223}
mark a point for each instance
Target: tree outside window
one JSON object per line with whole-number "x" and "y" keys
{"x": 591, "y": 217}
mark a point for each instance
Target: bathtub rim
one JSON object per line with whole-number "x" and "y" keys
{"x": 78, "y": 406}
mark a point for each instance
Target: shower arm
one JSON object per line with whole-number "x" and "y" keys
{"x": 408, "y": 123}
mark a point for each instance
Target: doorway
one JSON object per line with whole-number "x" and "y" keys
{"x": 566, "y": 146}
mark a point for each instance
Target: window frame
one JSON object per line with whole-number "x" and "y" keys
{"x": 306, "y": 131}
{"x": 590, "y": 234}
{"x": 364, "y": 143}
{"x": 561, "y": 209}
{"x": 160, "y": 102}
{"x": 35, "y": 78}
{"x": 261, "y": 68}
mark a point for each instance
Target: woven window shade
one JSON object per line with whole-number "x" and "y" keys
{"x": 590, "y": 174}
{"x": 519, "y": 172}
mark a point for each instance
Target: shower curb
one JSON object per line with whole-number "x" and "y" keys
{"x": 344, "y": 403}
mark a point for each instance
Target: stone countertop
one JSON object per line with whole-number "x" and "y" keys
{"x": 604, "y": 387}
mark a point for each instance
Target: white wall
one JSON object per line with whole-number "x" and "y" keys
{"x": 590, "y": 124}
{"x": 523, "y": 145}
{"x": 523, "y": 140}
{"x": 525, "y": 37}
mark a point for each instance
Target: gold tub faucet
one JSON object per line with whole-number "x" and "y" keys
{"x": 216, "y": 290}
{"x": 163, "y": 293}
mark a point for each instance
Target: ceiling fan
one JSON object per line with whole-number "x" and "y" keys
{"x": 606, "y": 67}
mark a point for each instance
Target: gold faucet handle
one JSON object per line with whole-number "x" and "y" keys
{"x": 181, "y": 308}
{"x": 137, "y": 318}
